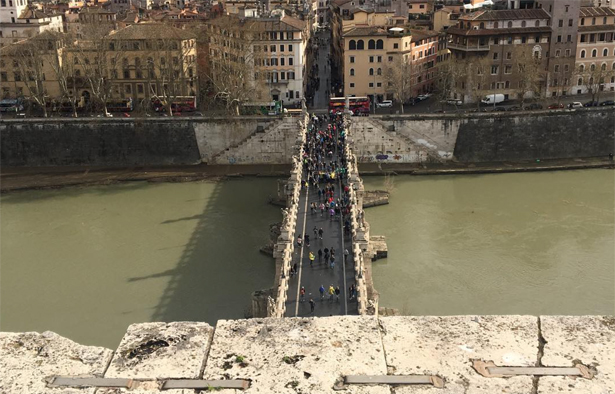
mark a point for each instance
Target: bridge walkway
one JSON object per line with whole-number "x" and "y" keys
{"x": 312, "y": 277}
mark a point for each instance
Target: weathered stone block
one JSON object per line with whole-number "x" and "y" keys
{"x": 27, "y": 359}
{"x": 586, "y": 339}
{"x": 445, "y": 346}
{"x": 162, "y": 350}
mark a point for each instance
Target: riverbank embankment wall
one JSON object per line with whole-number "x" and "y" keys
{"x": 314, "y": 355}
{"x": 485, "y": 137}
{"x": 420, "y": 139}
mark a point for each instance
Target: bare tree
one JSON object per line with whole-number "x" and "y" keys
{"x": 97, "y": 58}
{"x": 398, "y": 79}
{"x": 593, "y": 78}
{"x": 530, "y": 73}
{"x": 477, "y": 77}
{"x": 236, "y": 73}
{"x": 29, "y": 57}
{"x": 173, "y": 67}
{"x": 450, "y": 76}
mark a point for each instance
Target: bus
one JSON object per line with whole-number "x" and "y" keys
{"x": 261, "y": 108}
{"x": 358, "y": 105}
{"x": 11, "y": 105}
{"x": 179, "y": 104}
{"x": 120, "y": 105}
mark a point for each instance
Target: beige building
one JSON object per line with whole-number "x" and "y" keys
{"x": 500, "y": 51}
{"x": 388, "y": 62}
{"x": 595, "y": 57}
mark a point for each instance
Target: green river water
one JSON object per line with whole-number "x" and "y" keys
{"x": 87, "y": 262}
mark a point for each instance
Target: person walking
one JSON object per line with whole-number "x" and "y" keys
{"x": 307, "y": 240}
{"x": 346, "y": 254}
{"x": 332, "y": 262}
{"x": 322, "y": 292}
{"x": 337, "y": 293}
{"x": 319, "y": 255}
{"x": 302, "y": 294}
{"x": 312, "y": 305}
{"x": 320, "y": 232}
{"x": 311, "y": 257}
{"x": 315, "y": 231}
{"x": 331, "y": 293}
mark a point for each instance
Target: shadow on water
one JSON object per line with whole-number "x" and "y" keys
{"x": 27, "y": 196}
{"x": 220, "y": 265}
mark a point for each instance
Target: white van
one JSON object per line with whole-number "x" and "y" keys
{"x": 493, "y": 99}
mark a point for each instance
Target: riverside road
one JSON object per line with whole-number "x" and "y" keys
{"x": 311, "y": 277}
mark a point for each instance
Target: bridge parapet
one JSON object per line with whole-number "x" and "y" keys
{"x": 284, "y": 248}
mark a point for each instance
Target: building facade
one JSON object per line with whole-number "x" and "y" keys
{"x": 500, "y": 51}
{"x": 595, "y": 56}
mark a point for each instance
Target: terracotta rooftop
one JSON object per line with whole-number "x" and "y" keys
{"x": 596, "y": 11}
{"x": 497, "y": 32}
{"x": 145, "y": 31}
{"x": 494, "y": 15}
{"x": 287, "y": 23}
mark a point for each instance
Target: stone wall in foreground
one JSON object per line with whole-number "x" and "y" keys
{"x": 311, "y": 355}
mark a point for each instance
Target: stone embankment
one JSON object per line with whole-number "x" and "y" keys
{"x": 320, "y": 355}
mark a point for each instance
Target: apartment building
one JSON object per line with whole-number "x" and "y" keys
{"x": 274, "y": 47}
{"x": 377, "y": 58}
{"x": 19, "y": 21}
{"x": 503, "y": 49}
{"x": 564, "y": 15}
{"x": 595, "y": 52}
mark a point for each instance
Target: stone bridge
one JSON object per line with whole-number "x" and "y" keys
{"x": 284, "y": 299}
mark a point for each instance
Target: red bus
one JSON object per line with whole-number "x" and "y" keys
{"x": 358, "y": 105}
{"x": 120, "y": 105}
{"x": 180, "y": 104}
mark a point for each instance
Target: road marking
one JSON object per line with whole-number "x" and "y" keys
{"x": 307, "y": 197}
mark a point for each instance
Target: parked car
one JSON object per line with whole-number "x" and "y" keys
{"x": 556, "y": 106}
{"x": 607, "y": 102}
{"x": 575, "y": 104}
{"x": 533, "y": 106}
{"x": 513, "y": 108}
{"x": 422, "y": 97}
{"x": 591, "y": 104}
{"x": 385, "y": 104}
{"x": 454, "y": 102}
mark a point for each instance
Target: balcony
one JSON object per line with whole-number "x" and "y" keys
{"x": 468, "y": 47}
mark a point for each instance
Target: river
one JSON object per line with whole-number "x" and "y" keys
{"x": 87, "y": 262}
{"x": 520, "y": 243}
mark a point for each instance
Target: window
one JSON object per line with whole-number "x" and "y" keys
{"x": 371, "y": 59}
{"x": 582, "y": 21}
{"x": 510, "y": 25}
{"x": 583, "y": 54}
{"x": 510, "y": 40}
{"x": 582, "y": 68}
{"x": 523, "y": 40}
{"x": 568, "y": 38}
{"x": 495, "y": 25}
{"x": 352, "y": 84}
{"x": 560, "y": 23}
{"x": 482, "y": 25}
{"x": 603, "y": 67}
{"x": 557, "y": 52}
{"x": 360, "y": 45}
{"x": 272, "y": 48}
{"x": 594, "y": 53}
{"x": 282, "y": 61}
{"x": 495, "y": 56}
{"x": 580, "y": 81}
{"x": 559, "y": 38}
{"x": 352, "y": 72}
{"x": 371, "y": 71}
{"x": 605, "y": 52}
{"x": 379, "y": 59}
{"x": 570, "y": 22}
{"x": 509, "y": 55}
{"x": 128, "y": 88}
{"x": 281, "y": 48}
{"x": 507, "y": 85}
{"x": 396, "y": 46}
{"x": 379, "y": 44}
{"x": 379, "y": 84}
{"x": 290, "y": 47}
{"x": 140, "y": 89}
{"x": 566, "y": 67}
{"x": 352, "y": 45}
{"x": 537, "y": 24}
{"x": 508, "y": 69}
{"x": 593, "y": 21}
{"x": 371, "y": 44}
{"x": 351, "y": 59}
{"x": 371, "y": 84}
{"x": 556, "y": 68}
{"x": 379, "y": 71}
{"x": 523, "y": 24}
{"x": 390, "y": 58}
{"x": 494, "y": 70}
